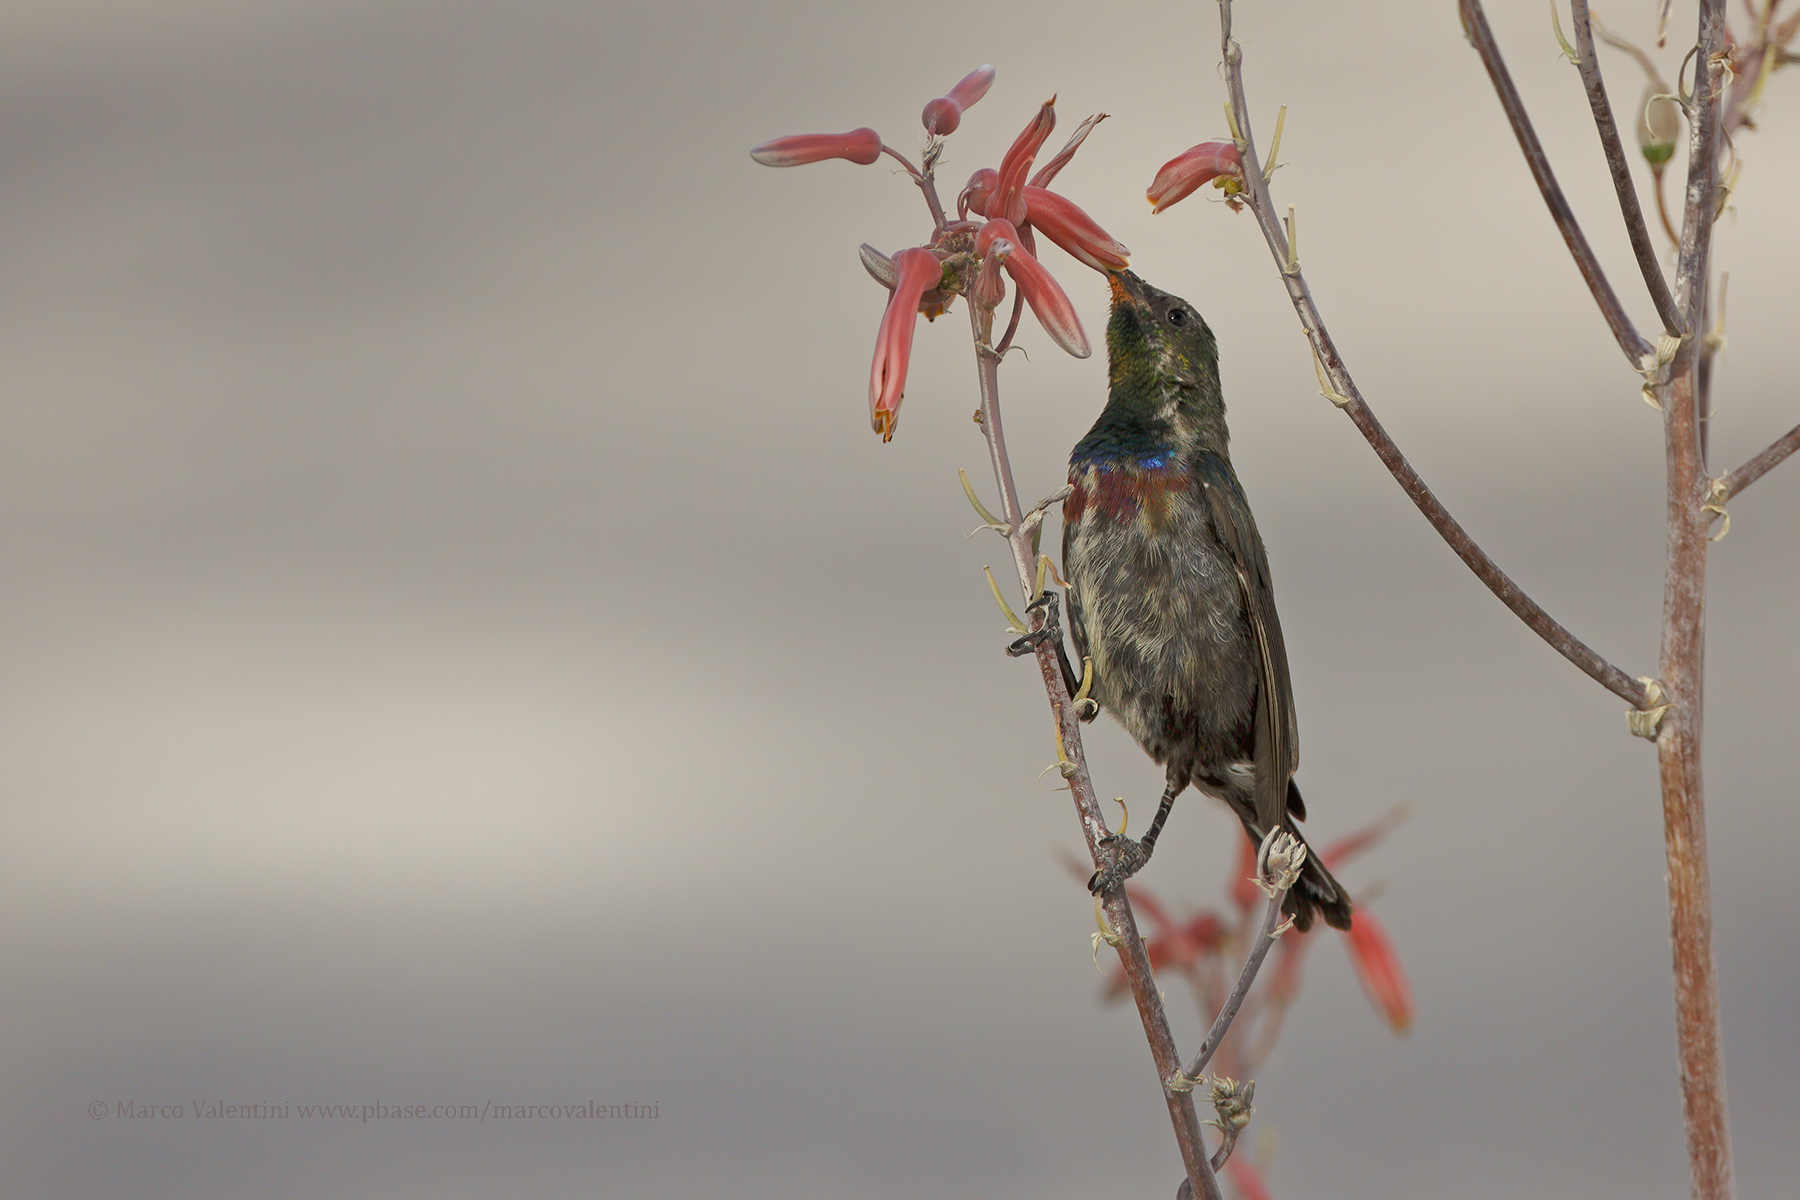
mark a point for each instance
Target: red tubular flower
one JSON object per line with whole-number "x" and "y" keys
{"x": 1284, "y": 985}
{"x": 1379, "y": 969}
{"x": 880, "y": 267}
{"x": 944, "y": 114}
{"x": 1063, "y": 222}
{"x": 1010, "y": 202}
{"x": 1169, "y": 945}
{"x": 1048, "y": 302}
{"x": 1244, "y": 891}
{"x": 978, "y": 191}
{"x": 1061, "y": 158}
{"x": 860, "y": 146}
{"x": 917, "y": 270}
{"x": 1145, "y": 901}
{"x": 1355, "y": 843}
{"x": 1247, "y": 1180}
{"x": 1187, "y": 171}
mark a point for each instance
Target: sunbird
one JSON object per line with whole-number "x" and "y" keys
{"x": 1169, "y": 594}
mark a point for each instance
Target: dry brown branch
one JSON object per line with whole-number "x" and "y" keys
{"x": 1341, "y": 389}
{"x": 1482, "y": 38}
{"x": 1614, "y": 150}
{"x": 1760, "y": 464}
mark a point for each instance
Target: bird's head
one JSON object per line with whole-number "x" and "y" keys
{"x": 1158, "y": 344}
{"x": 1153, "y": 333}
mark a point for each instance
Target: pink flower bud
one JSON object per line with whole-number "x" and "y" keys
{"x": 917, "y": 270}
{"x": 1063, "y": 222}
{"x": 1187, "y": 171}
{"x": 1378, "y": 967}
{"x": 942, "y": 116}
{"x": 1048, "y": 302}
{"x": 1010, "y": 201}
{"x": 972, "y": 87}
{"x": 860, "y": 146}
{"x": 980, "y": 189}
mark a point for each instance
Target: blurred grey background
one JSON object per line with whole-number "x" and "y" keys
{"x": 463, "y": 644}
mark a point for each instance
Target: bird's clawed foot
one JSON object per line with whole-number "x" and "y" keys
{"x": 1128, "y": 858}
{"x": 1051, "y": 631}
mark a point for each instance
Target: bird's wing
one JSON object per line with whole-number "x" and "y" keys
{"x": 1277, "y": 747}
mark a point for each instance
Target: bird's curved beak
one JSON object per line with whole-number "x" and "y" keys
{"x": 1126, "y": 287}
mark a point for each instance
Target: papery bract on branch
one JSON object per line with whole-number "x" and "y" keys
{"x": 1016, "y": 166}
{"x": 1379, "y": 969}
{"x": 860, "y": 146}
{"x": 990, "y": 289}
{"x": 1182, "y": 175}
{"x": 1048, "y": 302}
{"x": 917, "y": 270}
{"x": 879, "y": 266}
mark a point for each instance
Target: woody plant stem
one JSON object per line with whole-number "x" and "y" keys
{"x": 1670, "y": 709}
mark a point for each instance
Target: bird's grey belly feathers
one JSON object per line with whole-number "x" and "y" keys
{"x": 1156, "y": 602}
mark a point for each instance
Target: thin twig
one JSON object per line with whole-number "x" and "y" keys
{"x": 1614, "y": 149}
{"x": 1624, "y": 332}
{"x": 1133, "y": 959}
{"x": 1761, "y": 463}
{"x": 1350, "y": 399}
{"x": 1662, "y": 212}
{"x": 1266, "y": 938}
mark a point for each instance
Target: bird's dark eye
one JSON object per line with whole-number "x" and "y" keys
{"x": 1177, "y": 316}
